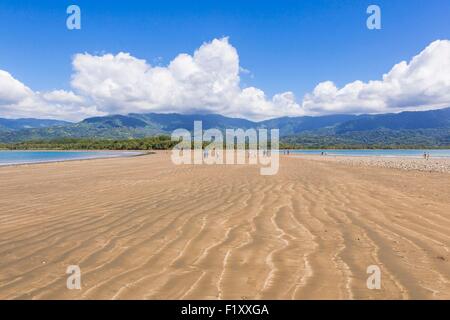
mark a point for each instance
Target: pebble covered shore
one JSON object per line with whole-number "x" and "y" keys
{"x": 404, "y": 163}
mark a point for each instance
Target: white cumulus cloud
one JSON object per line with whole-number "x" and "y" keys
{"x": 11, "y": 90}
{"x": 209, "y": 81}
{"x": 422, "y": 83}
{"x": 17, "y": 100}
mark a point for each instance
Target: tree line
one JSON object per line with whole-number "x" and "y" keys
{"x": 164, "y": 142}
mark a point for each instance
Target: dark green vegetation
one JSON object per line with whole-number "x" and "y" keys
{"x": 150, "y": 143}
{"x": 376, "y": 139}
{"x": 425, "y": 129}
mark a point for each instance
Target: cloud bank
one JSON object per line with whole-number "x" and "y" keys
{"x": 19, "y": 101}
{"x": 209, "y": 81}
{"x": 423, "y": 83}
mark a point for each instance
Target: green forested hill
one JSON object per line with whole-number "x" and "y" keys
{"x": 424, "y": 128}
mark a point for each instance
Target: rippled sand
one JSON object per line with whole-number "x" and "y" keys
{"x": 146, "y": 229}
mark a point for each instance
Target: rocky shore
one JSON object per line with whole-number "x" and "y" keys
{"x": 404, "y": 163}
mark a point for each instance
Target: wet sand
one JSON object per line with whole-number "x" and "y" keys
{"x": 143, "y": 228}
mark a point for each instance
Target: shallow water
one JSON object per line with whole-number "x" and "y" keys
{"x": 22, "y": 157}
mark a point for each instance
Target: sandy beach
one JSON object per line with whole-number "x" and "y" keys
{"x": 144, "y": 228}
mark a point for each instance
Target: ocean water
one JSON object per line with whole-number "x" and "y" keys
{"x": 435, "y": 153}
{"x": 22, "y": 157}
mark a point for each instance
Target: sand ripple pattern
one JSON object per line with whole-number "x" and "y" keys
{"x": 143, "y": 228}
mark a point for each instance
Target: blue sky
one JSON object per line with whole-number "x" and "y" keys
{"x": 286, "y": 45}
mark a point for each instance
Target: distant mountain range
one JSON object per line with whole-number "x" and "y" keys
{"x": 431, "y": 128}
{"x": 29, "y": 123}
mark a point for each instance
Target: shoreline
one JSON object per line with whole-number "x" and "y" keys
{"x": 71, "y": 160}
{"x": 405, "y": 163}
